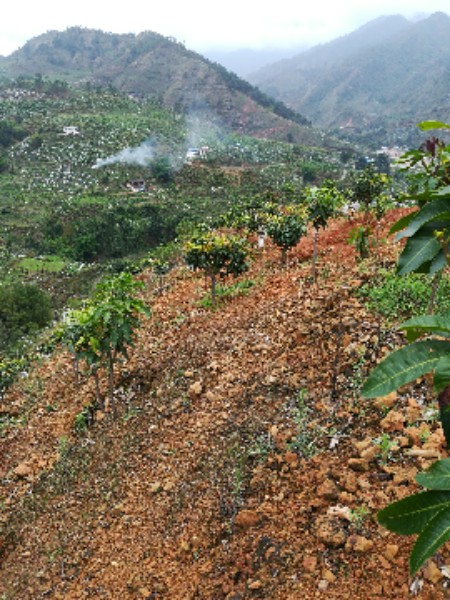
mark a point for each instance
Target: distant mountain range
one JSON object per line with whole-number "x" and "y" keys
{"x": 153, "y": 66}
{"x": 380, "y": 80}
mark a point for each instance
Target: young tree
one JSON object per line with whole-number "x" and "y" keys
{"x": 322, "y": 204}
{"x": 104, "y": 329}
{"x": 287, "y": 228}
{"x": 216, "y": 254}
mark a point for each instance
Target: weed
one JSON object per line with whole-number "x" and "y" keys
{"x": 386, "y": 447}
{"x": 397, "y": 298}
{"x": 358, "y": 515}
{"x": 303, "y": 441}
{"x": 240, "y": 288}
{"x": 264, "y": 445}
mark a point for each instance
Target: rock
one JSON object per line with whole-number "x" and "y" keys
{"x": 431, "y": 572}
{"x": 328, "y": 490}
{"x": 291, "y": 458}
{"x": 330, "y": 532}
{"x": 393, "y": 421}
{"x": 358, "y": 464}
{"x": 391, "y": 551}
{"x": 245, "y": 519}
{"x": 361, "y": 446}
{"x": 323, "y": 585}
{"x": 255, "y": 585}
{"x": 359, "y": 544}
{"x": 23, "y": 469}
{"x": 195, "y": 389}
{"x": 310, "y": 563}
{"x": 328, "y": 576}
{"x": 386, "y": 401}
{"x": 370, "y": 453}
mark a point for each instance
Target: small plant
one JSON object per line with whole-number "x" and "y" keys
{"x": 218, "y": 255}
{"x": 358, "y": 515}
{"x": 359, "y": 238}
{"x": 104, "y": 329}
{"x": 386, "y": 447}
{"x": 302, "y": 442}
{"x": 401, "y": 297}
{"x": 286, "y": 229}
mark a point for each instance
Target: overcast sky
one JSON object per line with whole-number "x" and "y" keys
{"x": 205, "y": 25}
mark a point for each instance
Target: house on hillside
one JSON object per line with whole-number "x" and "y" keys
{"x": 196, "y": 153}
{"x": 71, "y": 130}
{"x": 136, "y": 185}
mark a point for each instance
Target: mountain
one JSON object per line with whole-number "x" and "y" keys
{"x": 153, "y": 66}
{"x": 246, "y": 61}
{"x": 385, "y": 77}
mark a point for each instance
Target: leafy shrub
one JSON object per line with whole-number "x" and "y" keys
{"x": 24, "y": 309}
{"x": 396, "y": 297}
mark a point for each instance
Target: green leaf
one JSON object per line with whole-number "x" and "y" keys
{"x": 427, "y": 125}
{"x": 432, "y": 537}
{"x": 419, "y": 249}
{"x": 404, "y": 365}
{"x": 436, "y": 324}
{"x": 436, "y": 209}
{"x": 437, "y": 477}
{"x": 413, "y": 513}
{"x": 442, "y": 373}
{"x": 402, "y": 223}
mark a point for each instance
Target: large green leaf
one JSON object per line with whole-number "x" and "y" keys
{"x": 404, "y": 365}
{"x": 437, "y": 477}
{"x": 436, "y": 324}
{"x": 442, "y": 373}
{"x": 436, "y": 209}
{"x": 419, "y": 249}
{"x": 413, "y": 513}
{"x": 403, "y": 222}
{"x": 432, "y": 537}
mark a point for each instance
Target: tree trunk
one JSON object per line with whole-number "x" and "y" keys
{"x": 314, "y": 256}
{"x": 213, "y": 288}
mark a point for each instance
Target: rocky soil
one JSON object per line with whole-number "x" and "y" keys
{"x": 238, "y": 460}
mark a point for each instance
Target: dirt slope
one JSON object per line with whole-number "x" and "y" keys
{"x": 238, "y": 460}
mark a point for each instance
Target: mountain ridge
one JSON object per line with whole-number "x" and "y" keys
{"x": 391, "y": 79}
{"x": 153, "y": 66}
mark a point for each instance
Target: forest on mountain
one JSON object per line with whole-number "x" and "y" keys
{"x": 372, "y": 85}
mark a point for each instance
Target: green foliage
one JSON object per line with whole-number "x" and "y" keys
{"x": 287, "y": 228}
{"x": 105, "y": 328}
{"x": 323, "y": 203}
{"x": 425, "y": 513}
{"x": 366, "y": 186}
{"x": 24, "y": 310}
{"x": 217, "y": 254}
{"x": 427, "y": 231}
{"x": 9, "y": 370}
{"x": 359, "y": 237}
{"x": 396, "y": 297}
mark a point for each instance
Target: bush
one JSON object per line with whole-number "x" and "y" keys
{"x": 398, "y": 298}
{"x": 24, "y": 310}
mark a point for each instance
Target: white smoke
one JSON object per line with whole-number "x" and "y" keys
{"x": 139, "y": 155}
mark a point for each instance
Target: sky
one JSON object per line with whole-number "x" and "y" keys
{"x": 208, "y": 25}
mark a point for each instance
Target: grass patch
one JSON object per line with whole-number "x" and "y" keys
{"x": 50, "y": 264}
{"x": 240, "y": 288}
{"x": 399, "y": 298}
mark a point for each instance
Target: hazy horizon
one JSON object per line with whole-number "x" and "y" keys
{"x": 204, "y": 27}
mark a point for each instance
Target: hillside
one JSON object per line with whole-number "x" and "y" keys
{"x": 238, "y": 460}
{"x": 378, "y": 81}
{"x": 154, "y": 67}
